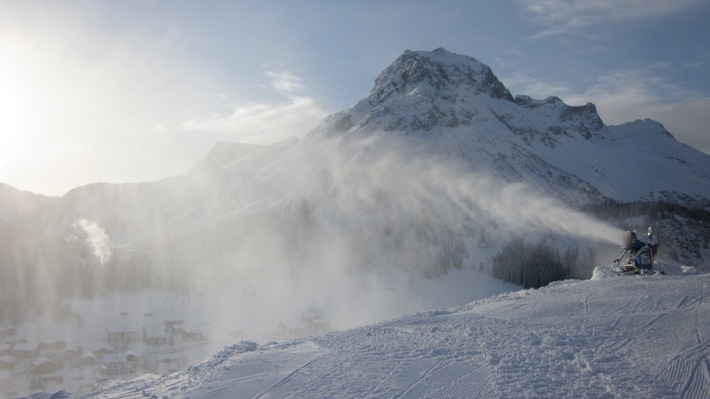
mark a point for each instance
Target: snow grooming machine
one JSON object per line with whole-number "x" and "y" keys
{"x": 642, "y": 252}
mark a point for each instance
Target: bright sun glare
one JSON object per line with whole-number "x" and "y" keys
{"x": 34, "y": 99}
{"x": 20, "y": 101}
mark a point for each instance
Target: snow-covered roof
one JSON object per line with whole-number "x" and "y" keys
{"x": 42, "y": 361}
{"x": 7, "y": 359}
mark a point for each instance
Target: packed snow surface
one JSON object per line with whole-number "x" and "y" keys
{"x": 609, "y": 337}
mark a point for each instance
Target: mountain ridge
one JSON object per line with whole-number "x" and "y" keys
{"x": 437, "y": 105}
{"x": 422, "y": 92}
{"x": 449, "y": 84}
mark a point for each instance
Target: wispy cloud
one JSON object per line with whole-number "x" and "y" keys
{"x": 285, "y": 82}
{"x": 569, "y": 16}
{"x": 261, "y": 122}
{"x": 625, "y": 95}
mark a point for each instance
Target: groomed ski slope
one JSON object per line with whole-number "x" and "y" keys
{"x": 609, "y": 337}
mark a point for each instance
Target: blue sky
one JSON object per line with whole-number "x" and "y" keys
{"x": 128, "y": 91}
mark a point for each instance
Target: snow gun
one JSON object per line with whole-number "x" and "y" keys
{"x": 642, "y": 252}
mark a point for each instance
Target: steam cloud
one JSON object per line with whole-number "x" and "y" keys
{"x": 96, "y": 237}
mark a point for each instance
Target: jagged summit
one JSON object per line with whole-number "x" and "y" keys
{"x": 422, "y": 90}
{"x": 437, "y": 71}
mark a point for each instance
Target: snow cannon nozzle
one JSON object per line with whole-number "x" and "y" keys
{"x": 633, "y": 242}
{"x": 629, "y": 240}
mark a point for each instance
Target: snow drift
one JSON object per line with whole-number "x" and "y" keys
{"x": 630, "y": 337}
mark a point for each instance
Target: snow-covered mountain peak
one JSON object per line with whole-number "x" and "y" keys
{"x": 420, "y": 91}
{"x": 425, "y": 90}
{"x": 462, "y": 111}
{"x": 437, "y": 72}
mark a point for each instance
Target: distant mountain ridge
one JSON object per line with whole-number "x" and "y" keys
{"x": 456, "y": 106}
{"x": 16, "y": 205}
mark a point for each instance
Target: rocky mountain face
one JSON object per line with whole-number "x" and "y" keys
{"x": 421, "y": 92}
{"x": 436, "y": 169}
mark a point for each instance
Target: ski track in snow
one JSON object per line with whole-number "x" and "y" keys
{"x": 639, "y": 337}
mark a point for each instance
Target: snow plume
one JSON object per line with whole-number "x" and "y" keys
{"x": 96, "y": 237}
{"x": 526, "y": 210}
{"x": 362, "y": 229}
{"x": 358, "y": 228}
{"x": 417, "y": 183}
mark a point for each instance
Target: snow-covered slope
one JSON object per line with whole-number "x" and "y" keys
{"x": 630, "y": 337}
